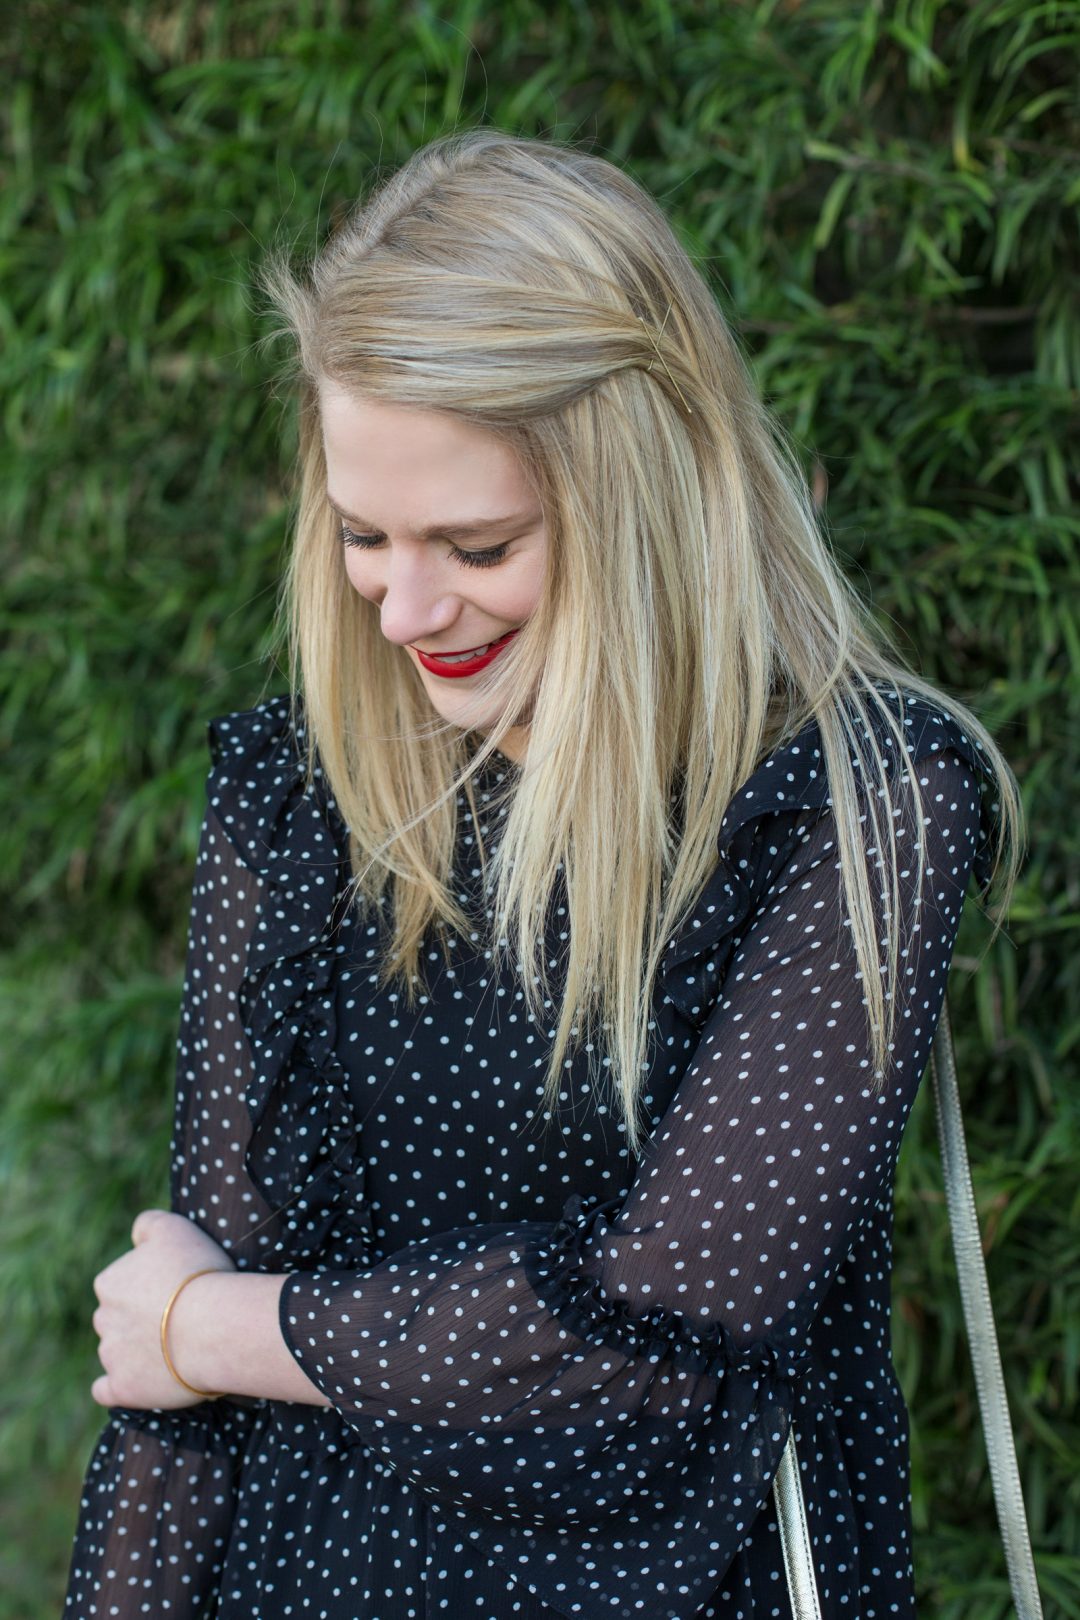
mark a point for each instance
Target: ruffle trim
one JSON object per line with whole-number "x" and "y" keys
{"x": 302, "y": 1151}
{"x": 794, "y": 778}
{"x": 209, "y": 1428}
{"x": 560, "y": 1275}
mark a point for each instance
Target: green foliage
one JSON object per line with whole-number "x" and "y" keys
{"x": 884, "y": 198}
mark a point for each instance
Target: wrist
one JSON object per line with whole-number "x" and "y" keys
{"x": 185, "y": 1333}
{"x": 167, "y": 1329}
{"x": 225, "y": 1334}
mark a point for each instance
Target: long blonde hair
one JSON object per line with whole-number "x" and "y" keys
{"x": 692, "y": 619}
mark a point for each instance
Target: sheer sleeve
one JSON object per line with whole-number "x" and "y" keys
{"x": 257, "y": 1157}
{"x": 158, "y": 1499}
{"x": 603, "y": 1404}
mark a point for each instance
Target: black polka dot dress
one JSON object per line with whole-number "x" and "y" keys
{"x": 561, "y": 1377}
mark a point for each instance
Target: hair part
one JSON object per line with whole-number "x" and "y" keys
{"x": 693, "y": 617}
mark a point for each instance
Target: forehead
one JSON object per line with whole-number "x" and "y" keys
{"x": 415, "y": 466}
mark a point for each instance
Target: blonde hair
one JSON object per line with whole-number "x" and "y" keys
{"x": 692, "y": 617}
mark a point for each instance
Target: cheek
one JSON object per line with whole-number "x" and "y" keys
{"x": 510, "y": 599}
{"x": 516, "y": 596}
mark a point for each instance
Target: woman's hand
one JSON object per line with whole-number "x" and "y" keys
{"x": 132, "y": 1293}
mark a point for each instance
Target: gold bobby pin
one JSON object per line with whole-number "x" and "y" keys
{"x": 655, "y": 338}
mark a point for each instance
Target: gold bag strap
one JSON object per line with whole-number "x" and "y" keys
{"x": 985, "y": 1357}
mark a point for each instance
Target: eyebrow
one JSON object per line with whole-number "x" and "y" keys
{"x": 446, "y": 531}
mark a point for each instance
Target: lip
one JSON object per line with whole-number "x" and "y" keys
{"x": 467, "y": 666}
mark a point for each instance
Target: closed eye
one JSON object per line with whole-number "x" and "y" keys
{"x": 468, "y": 559}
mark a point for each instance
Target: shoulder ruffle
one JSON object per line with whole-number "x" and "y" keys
{"x": 301, "y": 1151}
{"x": 794, "y": 778}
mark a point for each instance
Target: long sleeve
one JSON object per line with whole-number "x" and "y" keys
{"x": 256, "y": 1159}
{"x": 602, "y": 1404}
{"x": 159, "y": 1494}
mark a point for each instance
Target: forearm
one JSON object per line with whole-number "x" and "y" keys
{"x": 224, "y": 1336}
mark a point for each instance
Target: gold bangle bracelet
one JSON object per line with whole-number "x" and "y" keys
{"x": 205, "y": 1394}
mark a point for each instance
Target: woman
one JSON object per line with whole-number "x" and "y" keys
{"x": 563, "y": 963}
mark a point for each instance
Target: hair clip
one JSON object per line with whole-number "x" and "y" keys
{"x": 655, "y": 340}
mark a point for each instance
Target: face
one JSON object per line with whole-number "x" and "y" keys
{"x": 442, "y": 532}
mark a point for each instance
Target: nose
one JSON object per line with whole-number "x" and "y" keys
{"x": 413, "y": 602}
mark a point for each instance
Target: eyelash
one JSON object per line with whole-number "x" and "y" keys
{"x": 468, "y": 559}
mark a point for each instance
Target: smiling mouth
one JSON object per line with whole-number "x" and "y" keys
{"x": 468, "y": 652}
{"x": 452, "y": 666}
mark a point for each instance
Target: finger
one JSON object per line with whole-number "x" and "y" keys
{"x": 99, "y": 1391}
{"x": 142, "y": 1224}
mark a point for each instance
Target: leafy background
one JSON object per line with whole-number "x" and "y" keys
{"x": 884, "y": 198}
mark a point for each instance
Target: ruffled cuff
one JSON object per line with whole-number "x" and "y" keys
{"x": 563, "y": 1275}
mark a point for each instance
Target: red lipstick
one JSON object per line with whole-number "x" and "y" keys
{"x": 465, "y": 666}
